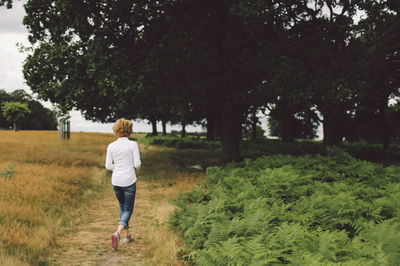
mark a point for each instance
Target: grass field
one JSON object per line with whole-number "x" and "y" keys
{"x": 50, "y": 179}
{"x": 58, "y": 208}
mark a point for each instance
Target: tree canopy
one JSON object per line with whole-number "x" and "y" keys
{"x": 15, "y": 112}
{"x": 187, "y": 61}
{"x": 39, "y": 118}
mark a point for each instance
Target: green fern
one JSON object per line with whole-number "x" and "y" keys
{"x": 309, "y": 210}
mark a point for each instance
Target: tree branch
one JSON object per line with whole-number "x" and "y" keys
{"x": 329, "y": 5}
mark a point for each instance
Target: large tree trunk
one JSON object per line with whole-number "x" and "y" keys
{"x": 231, "y": 127}
{"x": 164, "y": 128}
{"x": 15, "y": 126}
{"x": 213, "y": 123}
{"x": 218, "y": 128}
{"x": 254, "y": 121}
{"x": 183, "y": 132}
{"x": 154, "y": 126}
{"x": 384, "y": 126}
{"x": 287, "y": 128}
{"x": 331, "y": 128}
{"x": 212, "y": 126}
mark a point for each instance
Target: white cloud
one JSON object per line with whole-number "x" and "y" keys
{"x": 11, "y": 77}
{"x": 78, "y": 123}
{"x": 11, "y": 19}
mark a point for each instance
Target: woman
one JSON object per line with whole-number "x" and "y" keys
{"x": 123, "y": 159}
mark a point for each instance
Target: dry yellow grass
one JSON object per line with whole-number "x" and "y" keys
{"x": 163, "y": 243}
{"x": 59, "y": 207}
{"x": 51, "y": 178}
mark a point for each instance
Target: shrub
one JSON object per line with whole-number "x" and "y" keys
{"x": 280, "y": 209}
{"x": 180, "y": 143}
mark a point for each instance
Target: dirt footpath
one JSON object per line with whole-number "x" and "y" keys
{"x": 153, "y": 243}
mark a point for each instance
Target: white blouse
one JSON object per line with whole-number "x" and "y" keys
{"x": 123, "y": 158}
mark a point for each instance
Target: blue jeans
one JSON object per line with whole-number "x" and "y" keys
{"x": 126, "y": 199}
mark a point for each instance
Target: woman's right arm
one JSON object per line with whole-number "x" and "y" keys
{"x": 136, "y": 156}
{"x": 109, "y": 160}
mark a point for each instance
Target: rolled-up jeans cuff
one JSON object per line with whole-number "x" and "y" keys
{"x": 125, "y": 225}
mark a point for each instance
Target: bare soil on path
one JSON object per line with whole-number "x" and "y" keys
{"x": 88, "y": 241}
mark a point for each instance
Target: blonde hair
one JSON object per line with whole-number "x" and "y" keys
{"x": 122, "y": 128}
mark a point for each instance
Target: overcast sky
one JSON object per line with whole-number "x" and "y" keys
{"x": 12, "y": 32}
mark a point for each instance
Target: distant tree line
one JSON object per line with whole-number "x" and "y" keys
{"x": 335, "y": 62}
{"x": 34, "y": 116}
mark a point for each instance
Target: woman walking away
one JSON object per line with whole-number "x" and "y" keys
{"x": 123, "y": 159}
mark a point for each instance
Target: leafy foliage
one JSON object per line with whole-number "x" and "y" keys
{"x": 280, "y": 209}
{"x": 40, "y": 118}
{"x": 302, "y": 125}
{"x": 15, "y": 112}
{"x": 150, "y": 60}
{"x": 262, "y": 147}
{"x": 7, "y": 173}
{"x": 180, "y": 143}
{"x": 248, "y": 134}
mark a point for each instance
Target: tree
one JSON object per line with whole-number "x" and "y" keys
{"x": 4, "y": 97}
{"x": 97, "y": 57}
{"x": 40, "y": 118}
{"x": 291, "y": 96}
{"x": 142, "y": 58}
{"x": 7, "y": 3}
{"x": 380, "y": 43}
{"x": 304, "y": 125}
{"x": 15, "y": 112}
{"x": 324, "y": 41}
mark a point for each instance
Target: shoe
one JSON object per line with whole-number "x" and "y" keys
{"x": 115, "y": 240}
{"x": 127, "y": 239}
